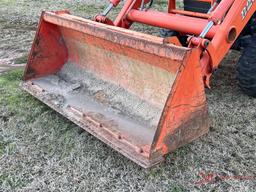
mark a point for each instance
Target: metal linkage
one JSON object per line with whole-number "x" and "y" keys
{"x": 142, "y": 7}
{"x": 108, "y": 9}
{"x": 206, "y": 29}
{"x": 215, "y": 4}
{"x": 112, "y": 4}
{"x": 211, "y": 23}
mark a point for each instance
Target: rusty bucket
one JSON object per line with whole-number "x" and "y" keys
{"x": 143, "y": 97}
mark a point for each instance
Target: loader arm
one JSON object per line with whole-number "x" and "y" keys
{"x": 223, "y": 24}
{"x": 142, "y": 95}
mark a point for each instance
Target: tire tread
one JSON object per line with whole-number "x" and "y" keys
{"x": 246, "y": 69}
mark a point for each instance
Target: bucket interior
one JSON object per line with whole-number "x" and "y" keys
{"x": 124, "y": 112}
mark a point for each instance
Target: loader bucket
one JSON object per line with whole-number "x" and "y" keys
{"x": 143, "y": 97}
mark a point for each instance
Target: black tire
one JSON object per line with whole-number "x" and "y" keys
{"x": 246, "y": 68}
{"x": 245, "y": 37}
{"x": 196, "y": 6}
{"x": 167, "y": 33}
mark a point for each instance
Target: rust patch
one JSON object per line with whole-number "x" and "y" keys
{"x": 101, "y": 97}
{"x": 196, "y": 126}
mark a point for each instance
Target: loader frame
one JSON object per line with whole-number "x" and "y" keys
{"x": 214, "y": 32}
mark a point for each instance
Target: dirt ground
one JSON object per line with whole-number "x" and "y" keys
{"x": 42, "y": 151}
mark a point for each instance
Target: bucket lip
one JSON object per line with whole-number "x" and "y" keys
{"x": 136, "y": 40}
{"x": 145, "y": 159}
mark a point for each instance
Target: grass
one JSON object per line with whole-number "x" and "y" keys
{"x": 177, "y": 189}
{"x": 11, "y": 94}
{"x": 42, "y": 151}
{"x": 20, "y": 110}
{"x": 8, "y": 2}
{"x": 21, "y": 60}
{"x": 2, "y": 147}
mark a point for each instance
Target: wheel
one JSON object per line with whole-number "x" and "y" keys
{"x": 246, "y": 68}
